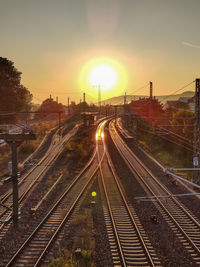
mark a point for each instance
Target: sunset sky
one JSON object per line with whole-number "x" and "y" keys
{"x": 57, "y": 43}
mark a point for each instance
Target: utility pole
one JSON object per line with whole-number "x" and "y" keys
{"x": 14, "y": 140}
{"x": 57, "y": 99}
{"x": 151, "y": 89}
{"x": 83, "y": 97}
{"x": 197, "y": 127}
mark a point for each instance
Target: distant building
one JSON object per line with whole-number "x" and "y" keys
{"x": 182, "y": 103}
{"x": 184, "y": 99}
{"x": 171, "y": 104}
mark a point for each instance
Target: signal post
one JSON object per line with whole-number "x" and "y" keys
{"x": 14, "y": 140}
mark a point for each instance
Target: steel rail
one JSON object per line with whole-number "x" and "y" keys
{"x": 45, "y": 219}
{"x": 109, "y": 208}
{"x": 112, "y": 219}
{"x": 156, "y": 180}
{"x": 128, "y": 209}
{"x": 9, "y": 193}
{"x": 31, "y": 184}
{"x": 123, "y": 257}
{"x": 128, "y": 162}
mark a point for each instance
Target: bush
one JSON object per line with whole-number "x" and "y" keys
{"x": 27, "y": 148}
{"x": 77, "y": 149}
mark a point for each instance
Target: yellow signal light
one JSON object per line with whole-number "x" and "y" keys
{"x": 94, "y": 194}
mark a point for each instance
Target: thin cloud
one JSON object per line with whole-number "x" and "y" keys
{"x": 191, "y": 45}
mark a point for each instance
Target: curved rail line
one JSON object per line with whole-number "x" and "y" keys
{"x": 7, "y": 194}
{"x": 182, "y": 222}
{"x": 33, "y": 250}
{"x": 128, "y": 241}
{"x": 28, "y": 181}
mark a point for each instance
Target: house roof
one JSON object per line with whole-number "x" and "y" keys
{"x": 184, "y": 99}
{"x": 172, "y": 103}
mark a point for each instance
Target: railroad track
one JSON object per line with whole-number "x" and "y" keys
{"x": 129, "y": 243}
{"x": 34, "y": 249}
{"x": 9, "y": 192}
{"x": 181, "y": 221}
{"x": 26, "y": 184}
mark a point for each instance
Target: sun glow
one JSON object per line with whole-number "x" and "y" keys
{"x": 103, "y": 76}
{"x": 107, "y": 73}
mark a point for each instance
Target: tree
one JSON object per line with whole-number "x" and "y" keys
{"x": 151, "y": 110}
{"x": 81, "y": 107}
{"x": 72, "y": 107}
{"x": 49, "y": 109}
{"x": 14, "y": 96}
{"x": 182, "y": 121}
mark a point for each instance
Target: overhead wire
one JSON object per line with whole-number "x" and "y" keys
{"x": 164, "y": 137}
{"x": 182, "y": 141}
{"x": 140, "y": 88}
{"x": 183, "y": 87}
{"x": 175, "y": 134}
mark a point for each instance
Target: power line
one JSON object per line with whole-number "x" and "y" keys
{"x": 140, "y": 88}
{"x": 175, "y": 134}
{"x": 164, "y": 118}
{"x": 164, "y": 137}
{"x": 178, "y": 90}
{"x": 38, "y": 99}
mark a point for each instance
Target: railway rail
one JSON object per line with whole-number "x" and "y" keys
{"x": 129, "y": 243}
{"x": 34, "y": 249}
{"x": 27, "y": 182}
{"x": 181, "y": 221}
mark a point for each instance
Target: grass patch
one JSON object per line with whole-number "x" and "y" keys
{"x": 170, "y": 154}
{"x": 81, "y": 254}
{"x": 4, "y": 159}
{"x": 68, "y": 259}
{"x": 77, "y": 150}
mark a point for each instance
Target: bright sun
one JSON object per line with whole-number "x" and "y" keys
{"x": 105, "y": 72}
{"x": 103, "y": 76}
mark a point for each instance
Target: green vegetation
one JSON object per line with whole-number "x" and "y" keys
{"x": 169, "y": 153}
{"x": 26, "y": 148}
{"x": 78, "y": 149}
{"x": 14, "y": 96}
{"x": 49, "y": 109}
{"x": 149, "y": 116}
{"x": 4, "y": 159}
{"x": 80, "y": 255}
{"x": 184, "y": 118}
{"x": 68, "y": 259}
{"x": 75, "y": 118}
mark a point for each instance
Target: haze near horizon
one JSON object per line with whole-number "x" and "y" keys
{"x": 58, "y": 44}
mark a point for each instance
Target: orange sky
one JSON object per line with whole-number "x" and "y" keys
{"x": 50, "y": 42}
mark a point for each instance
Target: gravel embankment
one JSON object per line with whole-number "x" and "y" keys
{"x": 168, "y": 248}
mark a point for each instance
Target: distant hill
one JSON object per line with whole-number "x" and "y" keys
{"x": 118, "y": 100}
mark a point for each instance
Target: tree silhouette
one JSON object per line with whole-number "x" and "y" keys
{"x": 14, "y": 96}
{"x": 49, "y": 109}
{"x": 149, "y": 109}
